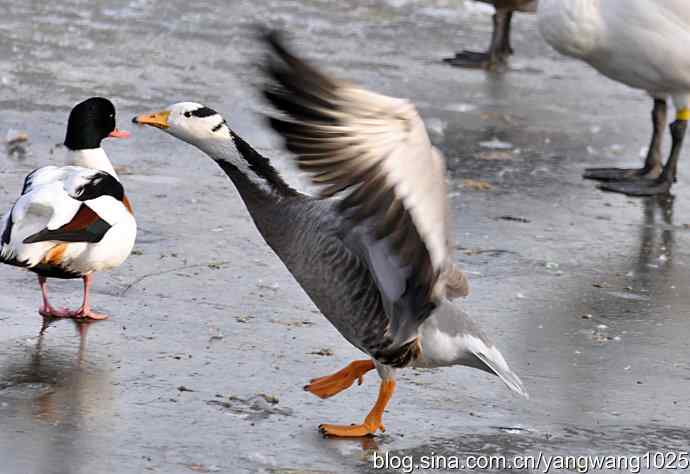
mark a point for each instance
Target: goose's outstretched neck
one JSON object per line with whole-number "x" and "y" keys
{"x": 252, "y": 173}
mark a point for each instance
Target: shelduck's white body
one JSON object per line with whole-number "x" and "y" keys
{"x": 50, "y": 200}
{"x": 74, "y": 220}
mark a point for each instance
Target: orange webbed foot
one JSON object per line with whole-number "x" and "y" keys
{"x": 372, "y": 423}
{"x": 351, "y": 431}
{"x": 325, "y": 387}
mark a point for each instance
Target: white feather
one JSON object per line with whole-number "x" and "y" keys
{"x": 641, "y": 43}
{"x": 47, "y": 202}
{"x": 450, "y": 338}
{"x": 391, "y": 132}
{"x": 92, "y": 158}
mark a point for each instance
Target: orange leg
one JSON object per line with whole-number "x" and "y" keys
{"x": 324, "y": 387}
{"x": 372, "y": 422}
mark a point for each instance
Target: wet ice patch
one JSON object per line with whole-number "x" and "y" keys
{"x": 511, "y": 429}
{"x": 261, "y": 284}
{"x": 257, "y": 407}
{"x": 460, "y": 107}
{"x": 475, "y": 7}
{"x": 626, "y": 295}
{"x": 616, "y": 149}
{"x": 495, "y": 155}
{"x": 496, "y": 144}
{"x": 197, "y": 467}
{"x": 25, "y": 391}
{"x": 436, "y": 126}
{"x": 151, "y": 179}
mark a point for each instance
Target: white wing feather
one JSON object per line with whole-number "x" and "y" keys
{"x": 46, "y": 202}
{"x": 391, "y": 132}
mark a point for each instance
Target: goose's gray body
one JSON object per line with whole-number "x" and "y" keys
{"x": 313, "y": 248}
{"x": 331, "y": 259}
{"x": 323, "y": 251}
{"x": 375, "y": 259}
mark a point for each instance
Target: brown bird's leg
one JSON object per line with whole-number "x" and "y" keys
{"x": 85, "y": 311}
{"x": 46, "y": 310}
{"x": 325, "y": 387}
{"x": 505, "y": 47}
{"x": 498, "y": 51}
{"x": 372, "y": 423}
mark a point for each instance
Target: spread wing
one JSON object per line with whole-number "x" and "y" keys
{"x": 374, "y": 151}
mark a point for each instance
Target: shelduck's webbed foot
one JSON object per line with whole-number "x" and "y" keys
{"x": 47, "y": 311}
{"x": 88, "y": 313}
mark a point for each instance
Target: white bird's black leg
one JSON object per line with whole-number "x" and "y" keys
{"x": 652, "y": 165}
{"x": 498, "y": 51}
{"x": 662, "y": 184}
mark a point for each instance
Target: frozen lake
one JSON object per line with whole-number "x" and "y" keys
{"x": 585, "y": 293}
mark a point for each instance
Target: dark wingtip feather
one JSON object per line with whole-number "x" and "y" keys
{"x": 266, "y": 33}
{"x": 275, "y": 39}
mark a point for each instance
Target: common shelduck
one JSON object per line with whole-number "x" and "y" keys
{"x": 72, "y": 221}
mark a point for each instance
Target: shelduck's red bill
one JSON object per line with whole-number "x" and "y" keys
{"x": 118, "y": 134}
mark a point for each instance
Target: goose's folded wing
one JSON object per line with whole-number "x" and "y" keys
{"x": 371, "y": 149}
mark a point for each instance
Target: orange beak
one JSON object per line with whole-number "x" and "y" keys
{"x": 157, "y": 119}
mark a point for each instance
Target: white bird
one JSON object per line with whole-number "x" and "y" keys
{"x": 72, "y": 221}
{"x": 640, "y": 43}
{"x": 376, "y": 262}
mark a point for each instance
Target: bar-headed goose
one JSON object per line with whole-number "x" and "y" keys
{"x": 72, "y": 221}
{"x": 376, "y": 261}
{"x": 499, "y": 48}
{"x": 643, "y": 44}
